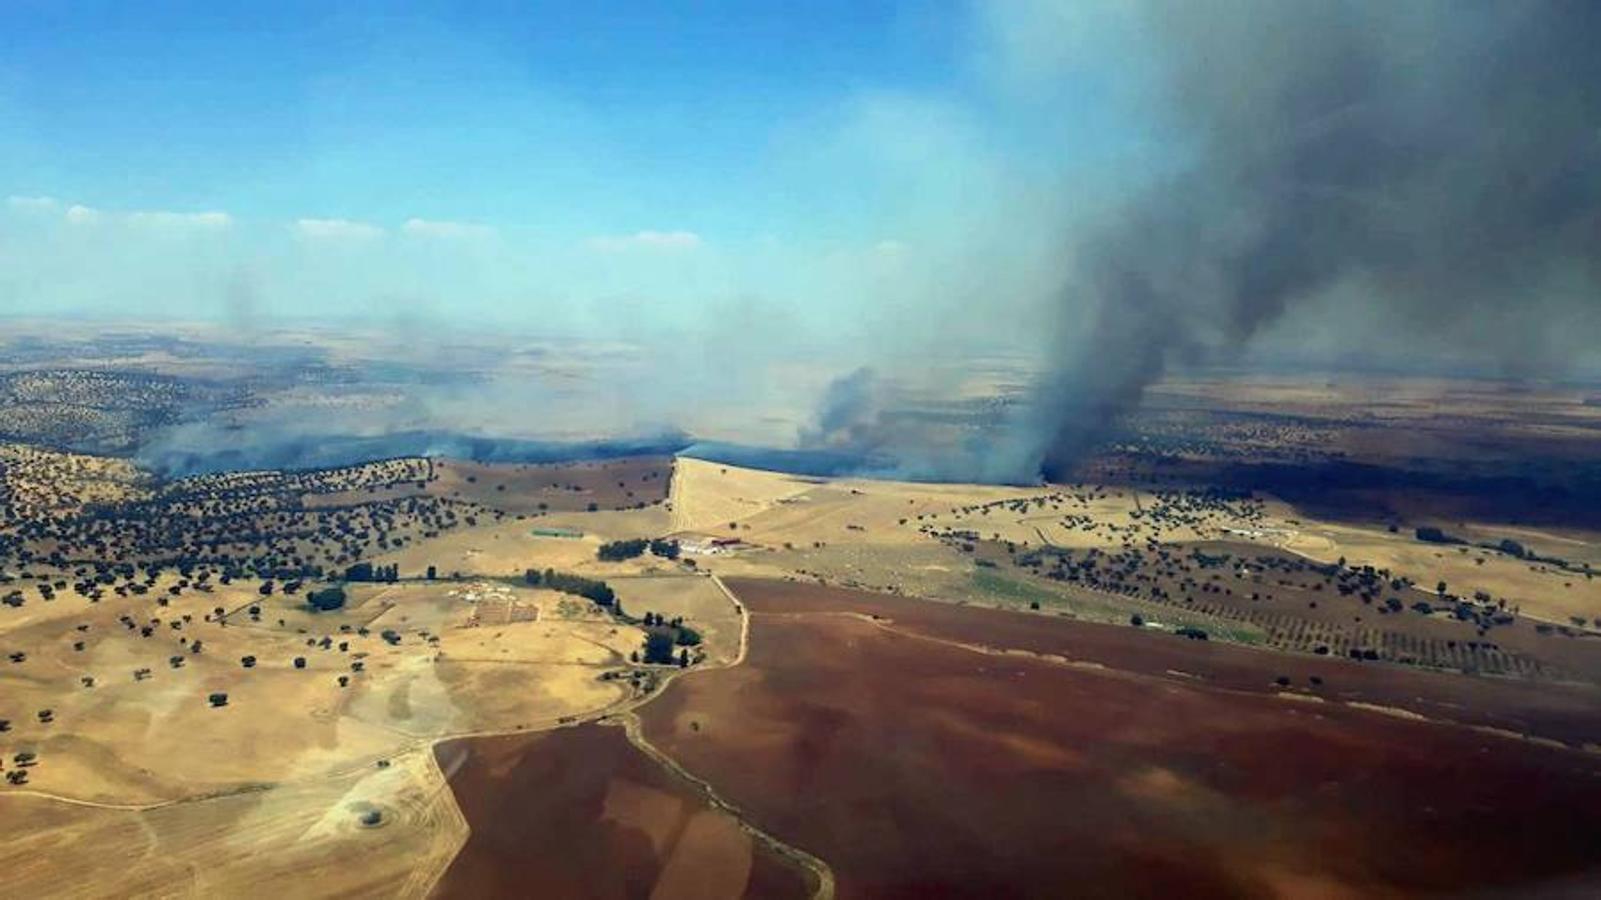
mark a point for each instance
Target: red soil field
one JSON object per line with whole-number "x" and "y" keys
{"x": 1570, "y": 713}
{"x": 580, "y": 812}
{"x": 918, "y": 768}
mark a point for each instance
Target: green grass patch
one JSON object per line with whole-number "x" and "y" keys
{"x": 988, "y": 585}
{"x": 996, "y": 585}
{"x": 992, "y": 586}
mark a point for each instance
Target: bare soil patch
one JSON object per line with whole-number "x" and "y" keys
{"x": 1570, "y": 713}
{"x": 579, "y": 812}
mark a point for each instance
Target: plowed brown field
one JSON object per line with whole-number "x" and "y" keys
{"x": 579, "y": 812}
{"x": 916, "y": 767}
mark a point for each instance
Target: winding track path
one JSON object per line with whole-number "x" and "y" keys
{"x": 820, "y": 870}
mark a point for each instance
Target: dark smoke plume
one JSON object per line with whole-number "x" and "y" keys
{"x": 1433, "y": 166}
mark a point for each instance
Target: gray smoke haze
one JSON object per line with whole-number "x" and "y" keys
{"x": 1434, "y": 167}
{"x": 1418, "y": 180}
{"x": 918, "y": 426}
{"x": 848, "y": 412}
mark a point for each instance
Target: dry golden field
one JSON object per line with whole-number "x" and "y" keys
{"x": 301, "y": 836}
{"x": 878, "y": 532}
{"x": 138, "y": 783}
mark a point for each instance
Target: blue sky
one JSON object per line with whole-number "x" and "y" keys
{"x": 871, "y": 165}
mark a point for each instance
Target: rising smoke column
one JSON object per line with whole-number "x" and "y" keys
{"x": 1438, "y": 164}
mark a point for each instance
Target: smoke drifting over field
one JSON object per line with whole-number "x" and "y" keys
{"x": 847, "y": 411}
{"x": 1089, "y": 195}
{"x": 1433, "y": 167}
{"x": 171, "y": 457}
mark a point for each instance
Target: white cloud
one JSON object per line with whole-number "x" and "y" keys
{"x": 83, "y": 215}
{"x": 438, "y": 229}
{"x": 166, "y": 219}
{"x": 337, "y": 229}
{"x": 78, "y": 214}
{"x": 647, "y": 240}
{"x": 32, "y": 204}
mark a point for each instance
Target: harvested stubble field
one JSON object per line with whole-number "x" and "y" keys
{"x": 299, "y": 836}
{"x": 696, "y": 599}
{"x": 769, "y": 509}
{"x": 177, "y": 733}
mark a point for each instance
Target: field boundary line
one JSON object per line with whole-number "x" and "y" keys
{"x": 744, "y": 621}
{"x": 629, "y": 722}
{"x": 420, "y": 883}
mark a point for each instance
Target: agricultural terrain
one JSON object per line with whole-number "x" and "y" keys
{"x": 678, "y": 677}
